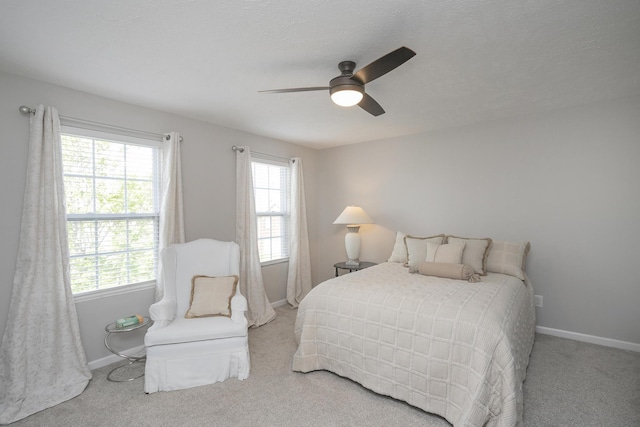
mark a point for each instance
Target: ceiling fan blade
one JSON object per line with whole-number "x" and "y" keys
{"x": 370, "y": 105}
{"x": 295, "y": 89}
{"x": 383, "y": 65}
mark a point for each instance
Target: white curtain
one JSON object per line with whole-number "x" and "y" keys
{"x": 299, "y": 277}
{"x": 251, "y": 283}
{"x": 171, "y": 204}
{"x": 42, "y": 361}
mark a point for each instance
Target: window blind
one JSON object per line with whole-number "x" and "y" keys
{"x": 112, "y": 199}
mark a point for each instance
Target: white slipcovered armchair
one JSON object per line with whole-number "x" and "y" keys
{"x": 181, "y": 352}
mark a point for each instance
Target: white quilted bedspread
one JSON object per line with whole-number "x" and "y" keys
{"x": 449, "y": 347}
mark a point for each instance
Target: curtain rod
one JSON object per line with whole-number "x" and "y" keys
{"x": 241, "y": 149}
{"x": 27, "y": 110}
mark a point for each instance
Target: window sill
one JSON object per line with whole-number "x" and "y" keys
{"x": 273, "y": 262}
{"x": 118, "y": 290}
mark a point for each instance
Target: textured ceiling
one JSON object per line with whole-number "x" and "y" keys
{"x": 476, "y": 60}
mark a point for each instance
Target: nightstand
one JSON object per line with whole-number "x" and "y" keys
{"x": 344, "y": 266}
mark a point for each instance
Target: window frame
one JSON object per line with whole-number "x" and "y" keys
{"x": 286, "y": 214}
{"x": 116, "y": 137}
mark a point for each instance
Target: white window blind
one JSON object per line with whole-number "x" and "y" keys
{"x": 271, "y": 183}
{"x": 112, "y": 197}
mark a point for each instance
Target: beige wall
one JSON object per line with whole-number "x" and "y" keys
{"x": 208, "y": 175}
{"x": 567, "y": 181}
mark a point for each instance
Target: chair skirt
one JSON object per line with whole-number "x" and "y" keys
{"x": 192, "y": 364}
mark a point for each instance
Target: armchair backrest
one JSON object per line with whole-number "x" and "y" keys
{"x": 208, "y": 257}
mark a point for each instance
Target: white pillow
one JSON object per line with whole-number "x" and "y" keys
{"x": 450, "y": 253}
{"x": 417, "y": 247}
{"x": 508, "y": 258}
{"x": 399, "y": 253}
{"x": 475, "y": 252}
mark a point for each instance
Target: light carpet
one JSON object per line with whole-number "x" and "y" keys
{"x": 568, "y": 383}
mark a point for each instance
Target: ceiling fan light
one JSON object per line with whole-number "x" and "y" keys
{"x": 347, "y": 97}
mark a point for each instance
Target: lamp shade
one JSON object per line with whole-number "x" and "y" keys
{"x": 353, "y": 215}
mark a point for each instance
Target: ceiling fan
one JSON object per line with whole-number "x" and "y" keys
{"x": 347, "y": 89}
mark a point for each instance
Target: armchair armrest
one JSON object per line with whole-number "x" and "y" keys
{"x": 238, "y": 307}
{"x": 162, "y": 313}
{"x": 159, "y": 324}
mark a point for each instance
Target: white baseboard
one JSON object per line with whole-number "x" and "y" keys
{"x": 108, "y": 360}
{"x": 576, "y": 336}
{"x": 279, "y": 303}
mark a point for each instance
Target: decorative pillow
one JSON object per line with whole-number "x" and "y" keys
{"x": 417, "y": 247}
{"x": 475, "y": 252}
{"x": 399, "y": 253}
{"x": 508, "y": 258}
{"x": 450, "y": 253}
{"x": 211, "y": 296}
{"x": 443, "y": 269}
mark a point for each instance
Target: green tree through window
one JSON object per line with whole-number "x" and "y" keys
{"x": 112, "y": 198}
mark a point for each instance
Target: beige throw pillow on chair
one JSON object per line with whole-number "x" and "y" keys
{"x": 211, "y": 296}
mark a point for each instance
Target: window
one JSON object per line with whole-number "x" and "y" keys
{"x": 112, "y": 197}
{"x": 271, "y": 183}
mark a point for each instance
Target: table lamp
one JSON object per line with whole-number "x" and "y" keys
{"x": 353, "y": 217}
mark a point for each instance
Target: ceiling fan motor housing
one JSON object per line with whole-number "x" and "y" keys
{"x": 345, "y": 81}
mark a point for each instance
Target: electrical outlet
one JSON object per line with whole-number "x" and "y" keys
{"x": 538, "y": 299}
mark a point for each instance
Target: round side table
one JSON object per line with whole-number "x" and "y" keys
{"x": 112, "y": 329}
{"x": 345, "y": 266}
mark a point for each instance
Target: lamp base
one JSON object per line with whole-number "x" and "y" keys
{"x": 352, "y": 245}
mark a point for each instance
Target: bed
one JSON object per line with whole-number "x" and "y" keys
{"x": 447, "y": 346}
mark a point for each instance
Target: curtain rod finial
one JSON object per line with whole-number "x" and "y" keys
{"x": 26, "y": 110}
